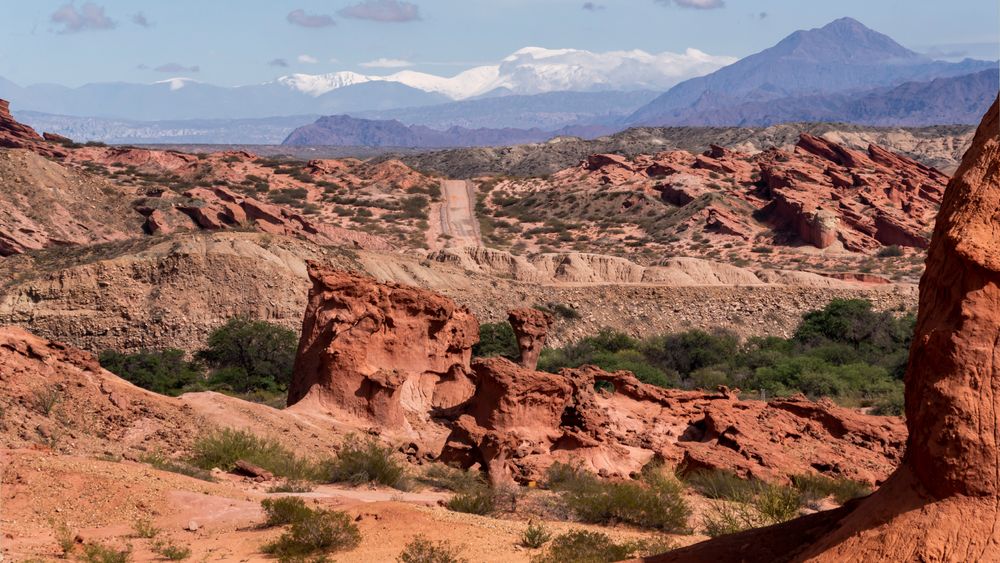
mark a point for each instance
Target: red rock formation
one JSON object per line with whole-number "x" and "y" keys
{"x": 521, "y": 421}
{"x": 821, "y": 194}
{"x": 941, "y": 504}
{"x": 386, "y": 354}
{"x": 16, "y": 135}
{"x": 530, "y": 327}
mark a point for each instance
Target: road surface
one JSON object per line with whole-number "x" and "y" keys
{"x": 458, "y": 218}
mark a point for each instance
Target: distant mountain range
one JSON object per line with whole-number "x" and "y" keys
{"x": 528, "y": 71}
{"x": 840, "y": 58}
{"x": 842, "y": 72}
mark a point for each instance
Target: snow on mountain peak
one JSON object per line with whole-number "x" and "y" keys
{"x": 535, "y": 70}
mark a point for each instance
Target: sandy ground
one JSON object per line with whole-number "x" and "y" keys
{"x": 458, "y": 217}
{"x": 99, "y": 501}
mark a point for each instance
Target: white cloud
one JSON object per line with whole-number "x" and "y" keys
{"x": 302, "y": 19}
{"x": 697, "y": 4}
{"x": 307, "y": 59}
{"x": 386, "y": 63}
{"x": 90, "y": 16}
{"x": 383, "y": 11}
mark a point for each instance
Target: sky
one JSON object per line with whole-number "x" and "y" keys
{"x": 237, "y": 42}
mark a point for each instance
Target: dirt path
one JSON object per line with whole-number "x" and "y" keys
{"x": 458, "y": 219}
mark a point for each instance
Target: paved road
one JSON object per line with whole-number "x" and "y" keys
{"x": 458, "y": 217}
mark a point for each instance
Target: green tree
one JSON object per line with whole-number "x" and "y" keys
{"x": 251, "y": 355}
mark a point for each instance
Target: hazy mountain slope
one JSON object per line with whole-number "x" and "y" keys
{"x": 842, "y": 56}
{"x": 958, "y": 99}
{"x": 553, "y": 110}
{"x": 343, "y": 130}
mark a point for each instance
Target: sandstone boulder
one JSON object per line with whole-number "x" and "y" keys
{"x": 530, "y": 327}
{"x": 382, "y": 353}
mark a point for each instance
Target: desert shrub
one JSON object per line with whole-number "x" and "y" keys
{"x": 535, "y": 536}
{"x": 496, "y": 339}
{"x": 367, "y": 461}
{"x": 45, "y": 399}
{"x": 772, "y": 504}
{"x": 290, "y": 196}
{"x": 415, "y": 207}
{"x": 144, "y": 528}
{"x": 479, "y": 500}
{"x": 251, "y": 355}
{"x": 163, "y": 463}
{"x": 291, "y": 486}
{"x": 722, "y": 485}
{"x": 318, "y": 532}
{"x": 284, "y": 510}
{"x": 652, "y": 501}
{"x": 65, "y": 537}
{"x": 423, "y": 550}
{"x": 450, "y": 478}
{"x": 223, "y": 448}
{"x": 170, "y": 550}
{"x": 583, "y": 546}
{"x": 560, "y": 310}
{"x": 817, "y": 487}
{"x": 161, "y": 371}
{"x": 99, "y": 553}
{"x": 892, "y": 251}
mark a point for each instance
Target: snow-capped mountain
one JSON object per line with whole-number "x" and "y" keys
{"x": 535, "y": 70}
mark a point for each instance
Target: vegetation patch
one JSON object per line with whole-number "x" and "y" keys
{"x": 845, "y": 351}
{"x": 223, "y": 448}
{"x": 368, "y": 461}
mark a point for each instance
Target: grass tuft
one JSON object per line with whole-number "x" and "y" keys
{"x": 423, "y": 550}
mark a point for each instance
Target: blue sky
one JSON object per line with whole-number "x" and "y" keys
{"x": 236, "y": 42}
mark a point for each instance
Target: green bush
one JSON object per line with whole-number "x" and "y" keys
{"x": 496, "y": 339}
{"x": 319, "y": 532}
{"x": 422, "y": 550}
{"x": 583, "y": 546}
{"x": 284, "y": 510}
{"x": 98, "y": 553}
{"x": 171, "y": 551}
{"x": 772, "y": 504}
{"x": 291, "y": 486}
{"x": 367, "y": 461}
{"x": 892, "y": 251}
{"x": 223, "y": 448}
{"x": 535, "y": 536}
{"x": 653, "y": 501}
{"x": 818, "y": 487}
{"x": 451, "y": 478}
{"x": 479, "y": 500}
{"x": 161, "y": 371}
{"x": 722, "y": 485}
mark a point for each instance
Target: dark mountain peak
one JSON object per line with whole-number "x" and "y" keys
{"x": 843, "y": 40}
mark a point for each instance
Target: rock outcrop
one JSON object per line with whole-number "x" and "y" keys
{"x": 521, "y": 421}
{"x": 530, "y": 328}
{"x": 386, "y": 354}
{"x": 16, "y": 135}
{"x": 398, "y": 359}
{"x": 941, "y": 504}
